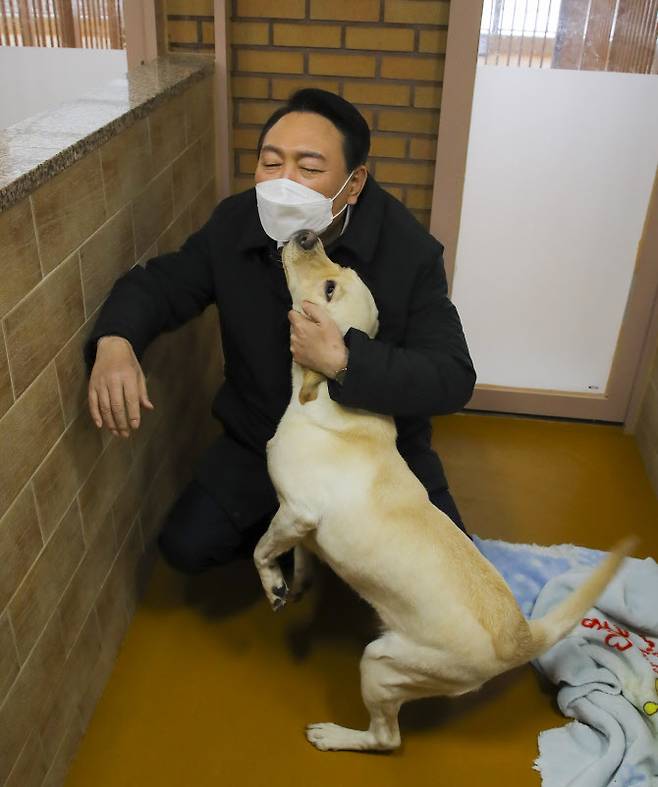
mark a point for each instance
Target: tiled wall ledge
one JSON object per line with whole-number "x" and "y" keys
{"x": 80, "y": 509}
{"x": 36, "y": 149}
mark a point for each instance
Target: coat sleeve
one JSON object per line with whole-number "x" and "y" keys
{"x": 431, "y": 373}
{"x": 170, "y": 290}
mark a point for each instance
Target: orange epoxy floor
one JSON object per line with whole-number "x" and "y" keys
{"x": 211, "y": 688}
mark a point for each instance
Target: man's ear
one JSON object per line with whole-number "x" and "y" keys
{"x": 356, "y": 184}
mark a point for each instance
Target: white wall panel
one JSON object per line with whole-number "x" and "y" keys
{"x": 558, "y": 177}
{"x": 36, "y": 79}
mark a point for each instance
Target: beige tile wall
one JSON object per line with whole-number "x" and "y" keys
{"x": 646, "y": 431}
{"x": 79, "y": 509}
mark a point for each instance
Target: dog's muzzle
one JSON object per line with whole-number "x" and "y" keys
{"x": 305, "y": 238}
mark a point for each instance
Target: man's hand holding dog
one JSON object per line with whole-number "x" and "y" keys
{"x": 315, "y": 340}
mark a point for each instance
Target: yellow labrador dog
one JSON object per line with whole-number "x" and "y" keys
{"x": 450, "y": 622}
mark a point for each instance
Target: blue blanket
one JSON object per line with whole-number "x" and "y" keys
{"x": 606, "y": 668}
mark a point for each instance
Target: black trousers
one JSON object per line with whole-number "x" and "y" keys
{"x": 198, "y": 534}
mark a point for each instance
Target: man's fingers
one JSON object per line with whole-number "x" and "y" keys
{"x": 143, "y": 393}
{"x": 118, "y": 406}
{"x": 93, "y": 407}
{"x": 299, "y": 318}
{"x": 313, "y": 311}
{"x": 106, "y": 409}
{"x": 301, "y": 325}
{"x": 131, "y": 394}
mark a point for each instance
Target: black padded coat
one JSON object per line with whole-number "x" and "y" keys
{"x": 416, "y": 367}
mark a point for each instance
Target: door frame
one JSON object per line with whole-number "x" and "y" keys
{"x": 222, "y": 100}
{"x": 140, "y": 31}
{"x": 142, "y": 47}
{"x": 638, "y": 336}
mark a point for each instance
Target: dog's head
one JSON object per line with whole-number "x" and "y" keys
{"x": 312, "y": 276}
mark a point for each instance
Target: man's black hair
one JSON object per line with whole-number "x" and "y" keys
{"x": 345, "y": 116}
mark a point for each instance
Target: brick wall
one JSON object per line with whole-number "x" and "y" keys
{"x": 386, "y": 56}
{"x": 646, "y": 431}
{"x": 79, "y": 508}
{"x": 190, "y": 25}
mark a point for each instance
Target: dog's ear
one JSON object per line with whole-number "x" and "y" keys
{"x": 310, "y": 383}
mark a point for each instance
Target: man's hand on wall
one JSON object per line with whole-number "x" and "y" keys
{"x": 117, "y": 387}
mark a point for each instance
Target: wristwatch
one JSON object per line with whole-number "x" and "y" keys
{"x": 339, "y": 377}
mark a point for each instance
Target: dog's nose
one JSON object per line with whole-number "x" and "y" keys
{"x": 306, "y": 239}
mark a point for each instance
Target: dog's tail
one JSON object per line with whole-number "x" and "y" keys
{"x": 548, "y": 630}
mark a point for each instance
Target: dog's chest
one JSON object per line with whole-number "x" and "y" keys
{"x": 311, "y": 465}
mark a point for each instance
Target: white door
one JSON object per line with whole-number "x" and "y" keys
{"x": 561, "y": 160}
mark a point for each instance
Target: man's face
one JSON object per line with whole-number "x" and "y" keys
{"x": 308, "y": 149}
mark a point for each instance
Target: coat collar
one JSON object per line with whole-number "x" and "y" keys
{"x": 360, "y": 237}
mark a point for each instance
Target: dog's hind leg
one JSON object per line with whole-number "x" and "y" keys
{"x": 393, "y": 670}
{"x": 286, "y": 530}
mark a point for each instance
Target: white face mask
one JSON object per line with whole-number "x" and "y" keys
{"x": 285, "y": 207}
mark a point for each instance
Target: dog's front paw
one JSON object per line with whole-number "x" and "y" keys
{"x": 279, "y": 596}
{"x": 271, "y": 577}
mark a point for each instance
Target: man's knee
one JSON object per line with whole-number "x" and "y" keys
{"x": 180, "y": 553}
{"x": 197, "y": 534}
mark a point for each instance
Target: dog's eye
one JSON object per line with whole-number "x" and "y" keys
{"x": 329, "y": 288}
